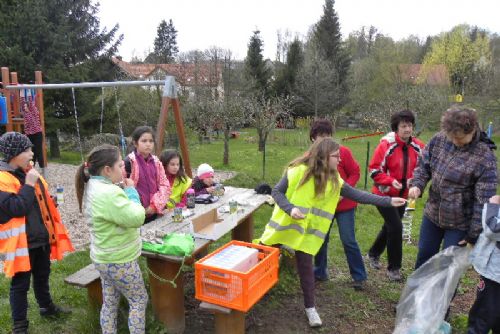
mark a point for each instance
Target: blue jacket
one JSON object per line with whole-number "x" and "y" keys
{"x": 486, "y": 254}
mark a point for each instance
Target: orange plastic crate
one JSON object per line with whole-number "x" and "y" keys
{"x": 234, "y": 289}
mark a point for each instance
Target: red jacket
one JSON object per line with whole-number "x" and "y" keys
{"x": 349, "y": 171}
{"x": 394, "y": 160}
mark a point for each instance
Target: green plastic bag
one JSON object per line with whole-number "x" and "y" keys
{"x": 177, "y": 244}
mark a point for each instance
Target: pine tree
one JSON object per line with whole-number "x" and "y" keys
{"x": 166, "y": 43}
{"x": 329, "y": 41}
{"x": 62, "y": 38}
{"x": 256, "y": 70}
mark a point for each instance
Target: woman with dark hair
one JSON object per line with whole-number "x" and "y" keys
{"x": 462, "y": 169}
{"x": 348, "y": 169}
{"x": 391, "y": 168}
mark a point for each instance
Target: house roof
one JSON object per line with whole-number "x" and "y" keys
{"x": 433, "y": 75}
{"x": 187, "y": 74}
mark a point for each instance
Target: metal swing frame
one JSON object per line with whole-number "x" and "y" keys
{"x": 15, "y": 121}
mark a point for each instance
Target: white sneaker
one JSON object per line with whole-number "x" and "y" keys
{"x": 313, "y": 317}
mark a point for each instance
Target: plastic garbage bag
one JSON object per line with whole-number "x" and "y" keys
{"x": 178, "y": 244}
{"x": 428, "y": 293}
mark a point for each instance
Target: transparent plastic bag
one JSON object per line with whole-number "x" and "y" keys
{"x": 428, "y": 293}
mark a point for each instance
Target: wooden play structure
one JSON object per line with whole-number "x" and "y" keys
{"x": 15, "y": 121}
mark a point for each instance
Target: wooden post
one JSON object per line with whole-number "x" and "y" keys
{"x": 162, "y": 124}
{"x": 182, "y": 137}
{"x": 170, "y": 97}
{"x": 6, "y": 81}
{"x": 15, "y": 113}
{"x": 244, "y": 231}
{"x": 233, "y": 322}
{"x": 94, "y": 293}
{"x": 167, "y": 301}
{"x": 39, "y": 104}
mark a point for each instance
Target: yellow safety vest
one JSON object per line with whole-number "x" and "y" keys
{"x": 306, "y": 235}
{"x": 179, "y": 188}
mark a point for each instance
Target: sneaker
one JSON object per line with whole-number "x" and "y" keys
{"x": 394, "y": 275}
{"x": 53, "y": 311}
{"x": 374, "y": 262}
{"x": 313, "y": 317}
{"x": 358, "y": 285}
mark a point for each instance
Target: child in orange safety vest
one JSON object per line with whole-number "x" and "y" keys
{"x": 31, "y": 231}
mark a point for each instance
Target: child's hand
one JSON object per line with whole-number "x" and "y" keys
{"x": 31, "y": 177}
{"x": 150, "y": 210}
{"x": 128, "y": 183}
{"x": 495, "y": 199}
{"x": 211, "y": 189}
{"x": 296, "y": 214}
{"x": 397, "y": 201}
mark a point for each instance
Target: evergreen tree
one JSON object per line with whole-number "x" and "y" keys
{"x": 329, "y": 41}
{"x": 64, "y": 40}
{"x": 165, "y": 43}
{"x": 287, "y": 76}
{"x": 256, "y": 70}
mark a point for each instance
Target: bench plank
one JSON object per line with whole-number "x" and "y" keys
{"x": 83, "y": 277}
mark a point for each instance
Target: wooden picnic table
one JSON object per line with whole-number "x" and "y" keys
{"x": 168, "y": 301}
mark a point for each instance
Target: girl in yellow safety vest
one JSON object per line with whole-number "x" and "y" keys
{"x": 176, "y": 175}
{"x": 306, "y": 198}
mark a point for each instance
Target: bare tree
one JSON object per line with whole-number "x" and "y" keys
{"x": 264, "y": 113}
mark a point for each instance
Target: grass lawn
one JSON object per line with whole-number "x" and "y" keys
{"x": 342, "y": 309}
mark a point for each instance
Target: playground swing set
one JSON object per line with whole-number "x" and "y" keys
{"x": 12, "y": 118}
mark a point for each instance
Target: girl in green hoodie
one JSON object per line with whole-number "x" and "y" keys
{"x": 113, "y": 211}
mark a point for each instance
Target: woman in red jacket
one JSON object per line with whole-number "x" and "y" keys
{"x": 391, "y": 168}
{"x": 348, "y": 169}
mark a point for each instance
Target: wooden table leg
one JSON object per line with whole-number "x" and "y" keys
{"x": 233, "y": 322}
{"x": 244, "y": 231}
{"x": 167, "y": 301}
{"x": 94, "y": 293}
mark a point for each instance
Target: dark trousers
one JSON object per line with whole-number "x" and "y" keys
{"x": 485, "y": 313}
{"x": 37, "y": 141}
{"x": 305, "y": 269}
{"x": 390, "y": 236}
{"x": 20, "y": 284}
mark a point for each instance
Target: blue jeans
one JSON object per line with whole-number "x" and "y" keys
{"x": 431, "y": 237}
{"x": 345, "y": 223}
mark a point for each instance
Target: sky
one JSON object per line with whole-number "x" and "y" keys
{"x": 229, "y": 24}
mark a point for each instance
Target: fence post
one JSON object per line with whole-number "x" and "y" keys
{"x": 367, "y": 162}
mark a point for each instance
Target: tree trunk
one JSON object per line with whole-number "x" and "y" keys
{"x": 55, "y": 152}
{"x": 225, "y": 159}
{"x": 262, "y": 139}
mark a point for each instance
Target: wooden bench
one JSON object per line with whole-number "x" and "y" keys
{"x": 89, "y": 278}
{"x": 226, "y": 320}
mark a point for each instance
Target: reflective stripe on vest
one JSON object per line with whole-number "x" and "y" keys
{"x": 316, "y": 211}
{"x": 18, "y": 252}
{"x": 12, "y": 232}
{"x": 297, "y": 228}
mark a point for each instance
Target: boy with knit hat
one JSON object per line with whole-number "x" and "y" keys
{"x": 31, "y": 231}
{"x": 204, "y": 182}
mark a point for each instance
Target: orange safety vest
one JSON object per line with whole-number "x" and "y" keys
{"x": 13, "y": 239}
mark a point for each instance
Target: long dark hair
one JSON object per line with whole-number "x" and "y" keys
{"x": 318, "y": 168}
{"x": 168, "y": 155}
{"x": 98, "y": 158}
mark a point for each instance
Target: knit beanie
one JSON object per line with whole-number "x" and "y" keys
{"x": 204, "y": 171}
{"x": 12, "y": 144}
